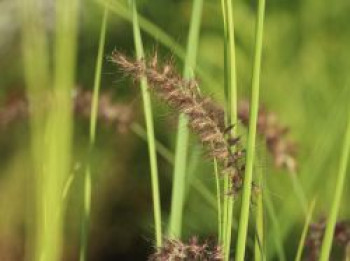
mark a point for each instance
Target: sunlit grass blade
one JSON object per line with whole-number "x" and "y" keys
{"x": 305, "y": 230}
{"x": 58, "y": 133}
{"x": 332, "y": 219}
{"x": 35, "y": 53}
{"x": 93, "y": 120}
{"x": 150, "y": 130}
{"x": 231, "y": 77}
{"x": 246, "y": 193}
{"x": 226, "y": 82}
{"x": 181, "y": 150}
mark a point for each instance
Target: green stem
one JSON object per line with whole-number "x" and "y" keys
{"x": 232, "y": 109}
{"x": 37, "y": 76}
{"x": 150, "y": 131}
{"x": 226, "y": 82}
{"x": 93, "y": 120}
{"x": 299, "y": 191}
{"x": 218, "y": 198}
{"x": 178, "y": 190}
{"x": 276, "y": 226}
{"x": 305, "y": 229}
{"x": 328, "y": 237}
{"x": 246, "y": 194}
{"x": 259, "y": 251}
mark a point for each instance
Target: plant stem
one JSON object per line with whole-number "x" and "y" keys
{"x": 328, "y": 237}
{"x": 276, "y": 226}
{"x": 150, "y": 130}
{"x": 246, "y": 194}
{"x": 226, "y": 82}
{"x": 305, "y": 229}
{"x": 37, "y": 76}
{"x": 299, "y": 191}
{"x": 167, "y": 155}
{"x": 232, "y": 110}
{"x": 93, "y": 120}
{"x": 218, "y": 198}
{"x": 178, "y": 190}
{"x": 259, "y": 251}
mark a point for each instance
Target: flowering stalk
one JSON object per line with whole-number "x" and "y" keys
{"x": 206, "y": 119}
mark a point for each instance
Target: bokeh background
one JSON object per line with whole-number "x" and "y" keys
{"x": 305, "y": 81}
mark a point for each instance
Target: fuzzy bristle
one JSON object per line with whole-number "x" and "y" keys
{"x": 282, "y": 150}
{"x": 206, "y": 119}
{"x": 174, "y": 249}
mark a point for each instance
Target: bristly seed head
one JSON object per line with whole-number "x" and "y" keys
{"x": 206, "y": 119}
{"x": 176, "y": 250}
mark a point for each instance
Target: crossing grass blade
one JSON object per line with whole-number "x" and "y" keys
{"x": 246, "y": 194}
{"x": 150, "y": 130}
{"x": 37, "y": 77}
{"x": 181, "y": 150}
{"x": 305, "y": 230}
{"x": 93, "y": 121}
{"x": 332, "y": 219}
{"x": 231, "y": 92}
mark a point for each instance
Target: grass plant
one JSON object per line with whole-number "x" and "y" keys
{"x": 279, "y": 203}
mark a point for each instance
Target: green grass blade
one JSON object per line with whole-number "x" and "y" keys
{"x": 259, "y": 251}
{"x": 232, "y": 109}
{"x": 93, "y": 120}
{"x": 226, "y": 82}
{"x": 328, "y": 237}
{"x": 37, "y": 76}
{"x": 150, "y": 131}
{"x": 196, "y": 183}
{"x": 160, "y": 148}
{"x": 259, "y": 236}
{"x": 59, "y": 130}
{"x": 305, "y": 229}
{"x": 298, "y": 190}
{"x": 218, "y": 198}
{"x": 177, "y": 200}
{"x": 159, "y": 35}
{"x": 277, "y": 239}
{"x": 246, "y": 194}
{"x": 175, "y": 222}
{"x": 120, "y": 9}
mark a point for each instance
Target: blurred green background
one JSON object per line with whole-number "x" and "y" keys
{"x": 305, "y": 81}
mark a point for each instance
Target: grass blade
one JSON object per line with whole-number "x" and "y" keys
{"x": 246, "y": 194}
{"x": 305, "y": 229}
{"x": 37, "y": 76}
{"x": 159, "y": 35}
{"x": 93, "y": 121}
{"x": 231, "y": 109}
{"x": 58, "y": 133}
{"x": 328, "y": 237}
{"x": 179, "y": 178}
{"x": 150, "y": 130}
{"x": 277, "y": 238}
{"x": 218, "y": 199}
{"x": 259, "y": 250}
